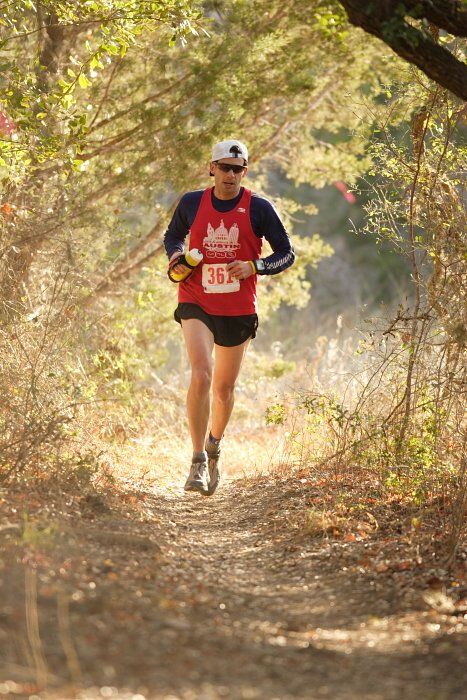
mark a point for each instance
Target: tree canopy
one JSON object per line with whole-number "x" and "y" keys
{"x": 114, "y": 109}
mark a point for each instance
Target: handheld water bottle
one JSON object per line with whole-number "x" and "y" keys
{"x": 190, "y": 260}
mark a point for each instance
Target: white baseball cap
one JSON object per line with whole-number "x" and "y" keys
{"x": 230, "y": 149}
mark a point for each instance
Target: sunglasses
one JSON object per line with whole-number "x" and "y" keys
{"x": 226, "y": 167}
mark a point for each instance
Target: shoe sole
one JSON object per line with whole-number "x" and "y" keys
{"x": 194, "y": 487}
{"x": 213, "y": 487}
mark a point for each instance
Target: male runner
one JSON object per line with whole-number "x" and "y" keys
{"x": 217, "y": 302}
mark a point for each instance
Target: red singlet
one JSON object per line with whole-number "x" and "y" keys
{"x": 222, "y": 237}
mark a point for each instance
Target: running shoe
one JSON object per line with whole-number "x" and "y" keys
{"x": 198, "y": 478}
{"x": 214, "y": 453}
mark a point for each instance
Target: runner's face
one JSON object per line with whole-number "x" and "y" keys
{"x": 227, "y": 185}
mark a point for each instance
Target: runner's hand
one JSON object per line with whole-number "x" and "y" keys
{"x": 240, "y": 269}
{"x": 179, "y": 269}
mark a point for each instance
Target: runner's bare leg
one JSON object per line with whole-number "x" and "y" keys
{"x": 226, "y": 370}
{"x": 199, "y": 343}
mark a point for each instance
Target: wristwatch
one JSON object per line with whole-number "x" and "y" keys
{"x": 259, "y": 265}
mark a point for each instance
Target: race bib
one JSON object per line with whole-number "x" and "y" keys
{"x": 217, "y": 280}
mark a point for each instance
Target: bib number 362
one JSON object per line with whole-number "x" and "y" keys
{"x": 217, "y": 279}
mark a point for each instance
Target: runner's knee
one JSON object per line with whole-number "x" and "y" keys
{"x": 224, "y": 392}
{"x": 201, "y": 378}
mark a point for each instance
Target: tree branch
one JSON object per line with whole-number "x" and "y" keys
{"x": 385, "y": 20}
{"x": 450, "y": 15}
{"x": 103, "y": 99}
{"x": 138, "y": 105}
{"x": 130, "y": 263}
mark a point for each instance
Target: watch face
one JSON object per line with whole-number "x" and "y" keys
{"x": 260, "y": 264}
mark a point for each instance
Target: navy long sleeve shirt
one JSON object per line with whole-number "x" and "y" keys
{"x": 265, "y": 223}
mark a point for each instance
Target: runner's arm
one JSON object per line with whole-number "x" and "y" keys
{"x": 177, "y": 229}
{"x": 266, "y": 222}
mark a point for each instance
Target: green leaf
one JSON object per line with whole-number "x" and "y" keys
{"x": 67, "y": 101}
{"x": 83, "y": 81}
{"x": 95, "y": 63}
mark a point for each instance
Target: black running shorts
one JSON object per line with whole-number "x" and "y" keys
{"x": 227, "y": 330}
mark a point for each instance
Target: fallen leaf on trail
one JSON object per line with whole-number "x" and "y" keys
{"x": 381, "y": 567}
{"x": 435, "y": 582}
{"x": 402, "y": 565}
{"x": 365, "y": 563}
{"x": 439, "y": 601}
{"x": 350, "y": 537}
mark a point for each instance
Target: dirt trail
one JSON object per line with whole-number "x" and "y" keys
{"x": 204, "y": 598}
